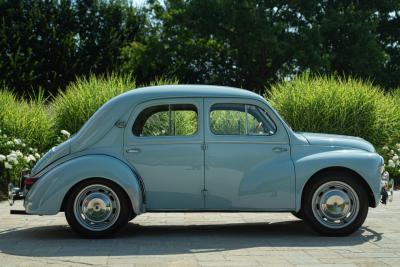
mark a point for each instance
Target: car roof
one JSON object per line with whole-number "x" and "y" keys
{"x": 167, "y": 91}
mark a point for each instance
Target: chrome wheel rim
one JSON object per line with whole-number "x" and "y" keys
{"x": 96, "y": 207}
{"x": 335, "y": 204}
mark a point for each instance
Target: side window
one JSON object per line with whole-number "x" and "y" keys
{"x": 240, "y": 119}
{"x": 167, "y": 120}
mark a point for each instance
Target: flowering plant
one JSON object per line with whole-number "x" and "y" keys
{"x": 392, "y": 160}
{"x": 16, "y": 155}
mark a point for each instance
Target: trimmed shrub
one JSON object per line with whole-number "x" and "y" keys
{"x": 341, "y": 106}
{"x": 83, "y": 97}
{"x": 28, "y": 120}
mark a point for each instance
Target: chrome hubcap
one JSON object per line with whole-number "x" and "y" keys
{"x": 335, "y": 204}
{"x": 97, "y": 207}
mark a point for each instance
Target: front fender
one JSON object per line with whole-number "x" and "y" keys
{"x": 47, "y": 194}
{"x": 309, "y": 160}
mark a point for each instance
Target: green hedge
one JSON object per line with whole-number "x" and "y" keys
{"x": 342, "y": 106}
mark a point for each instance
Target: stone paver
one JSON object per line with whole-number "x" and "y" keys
{"x": 201, "y": 239}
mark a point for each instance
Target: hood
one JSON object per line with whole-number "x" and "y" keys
{"x": 338, "y": 141}
{"x": 52, "y": 155}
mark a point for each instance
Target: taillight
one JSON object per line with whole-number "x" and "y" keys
{"x": 29, "y": 181}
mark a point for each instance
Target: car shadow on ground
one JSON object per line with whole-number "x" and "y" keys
{"x": 60, "y": 241}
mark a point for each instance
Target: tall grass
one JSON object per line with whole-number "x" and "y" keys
{"x": 396, "y": 96}
{"x": 26, "y": 119}
{"x": 83, "y": 97}
{"x": 308, "y": 103}
{"x": 162, "y": 81}
{"x": 337, "y": 105}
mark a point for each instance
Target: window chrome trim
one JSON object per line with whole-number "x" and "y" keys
{"x": 169, "y": 122}
{"x": 262, "y": 112}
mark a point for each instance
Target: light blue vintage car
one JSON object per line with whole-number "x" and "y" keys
{"x": 202, "y": 148}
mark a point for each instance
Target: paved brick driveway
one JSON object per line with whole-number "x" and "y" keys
{"x": 202, "y": 239}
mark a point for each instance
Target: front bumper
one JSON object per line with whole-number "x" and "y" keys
{"x": 387, "y": 186}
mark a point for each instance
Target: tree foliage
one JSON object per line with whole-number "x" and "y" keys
{"x": 243, "y": 43}
{"x": 47, "y": 43}
{"x": 253, "y": 43}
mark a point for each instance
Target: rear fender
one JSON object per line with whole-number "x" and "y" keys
{"x": 47, "y": 194}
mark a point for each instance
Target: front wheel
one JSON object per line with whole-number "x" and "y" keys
{"x": 97, "y": 208}
{"x": 335, "y": 204}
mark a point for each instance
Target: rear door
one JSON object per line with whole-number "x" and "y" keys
{"x": 163, "y": 142}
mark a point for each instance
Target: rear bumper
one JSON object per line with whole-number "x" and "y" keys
{"x": 14, "y": 193}
{"x": 18, "y": 192}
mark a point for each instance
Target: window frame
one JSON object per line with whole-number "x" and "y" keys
{"x": 169, "y": 104}
{"x": 247, "y": 134}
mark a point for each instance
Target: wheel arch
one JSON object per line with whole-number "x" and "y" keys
{"x": 68, "y": 194}
{"x": 356, "y": 175}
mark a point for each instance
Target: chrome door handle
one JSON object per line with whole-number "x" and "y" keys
{"x": 279, "y": 149}
{"x": 133, "y": 150}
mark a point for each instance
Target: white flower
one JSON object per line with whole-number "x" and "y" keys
{"x": 37, "y": 155}
{"x": 17, "y": 141}
{"x": 398, "y": 145}
{"x": 30, "y": 149}
{"x": 2, "y": 157}
{"x": 65, "y": 133}
{"x": 7, "y": 165}
{"x": 19, "y": 153}
{"x": 385, "y": 148}
{"x": 395, "y": 157}
{"x": 30, "y": 158}
{"x": 11, "y": 157}
{"x": 391, "y": 163}
{"x": 9, "y": 143}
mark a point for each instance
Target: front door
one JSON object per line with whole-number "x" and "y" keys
{"x": 163, "y": 143}
{"x": 247, "y": 160}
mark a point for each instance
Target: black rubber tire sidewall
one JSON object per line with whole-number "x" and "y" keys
{"x": 347, "y": 178}
{"x": 122, "y": 220}
{"x": 298, "y": 215}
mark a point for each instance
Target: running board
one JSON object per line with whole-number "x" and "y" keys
{"x": 18, "y": 212}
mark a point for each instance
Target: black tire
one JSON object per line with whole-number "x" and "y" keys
{"x": 121, "y": 219}
{"x": 298, "y": 215}
{"x": 343, "y": 178}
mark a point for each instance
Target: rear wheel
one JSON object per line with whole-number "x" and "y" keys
{"x": 97, "y": 208}
{"x": 335, "y": 204}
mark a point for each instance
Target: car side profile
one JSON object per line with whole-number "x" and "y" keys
{"x": 202, "y": 148}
